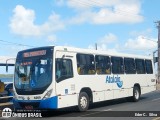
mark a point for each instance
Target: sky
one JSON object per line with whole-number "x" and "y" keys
{"x": 126, "y": 26}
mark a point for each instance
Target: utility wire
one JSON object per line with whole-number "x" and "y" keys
{"x": 13, "y": 43}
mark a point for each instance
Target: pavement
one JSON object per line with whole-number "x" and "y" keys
{"x": 146, "y": 109}
{"x": 127, "y": 106}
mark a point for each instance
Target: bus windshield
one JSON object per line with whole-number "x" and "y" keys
{"x": 33, "y": 74}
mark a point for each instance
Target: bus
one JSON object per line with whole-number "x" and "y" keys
{"x": 56, "y": 77}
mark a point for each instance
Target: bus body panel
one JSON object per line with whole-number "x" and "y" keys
{"x": 67, "y": 100}
{"x": 66, "y": 89}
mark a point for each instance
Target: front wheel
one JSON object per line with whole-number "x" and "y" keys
{"x": 136, "y": 94}
{"x": 83, "y": 101}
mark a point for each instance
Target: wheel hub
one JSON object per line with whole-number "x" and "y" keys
{"x": 83, "y": 102}
{"x": 136, "y": 94}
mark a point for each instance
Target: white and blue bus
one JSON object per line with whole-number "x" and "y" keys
{"x": 57, "y": 77}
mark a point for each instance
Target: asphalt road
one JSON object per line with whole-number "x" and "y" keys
{"x": 120, "y": 109}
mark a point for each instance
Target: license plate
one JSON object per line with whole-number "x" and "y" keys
{"x": 29, "y": 107}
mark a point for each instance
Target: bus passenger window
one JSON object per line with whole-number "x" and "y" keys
{"x": 117, "y": 65}
{"x": 79, "y": 69}
{"x": 140, "y": 66}
{"x": 85, "y": 64}
{"x": 102, "y": 64}
{"x": 129, "y": 66}
{"x": 148, "y": 65}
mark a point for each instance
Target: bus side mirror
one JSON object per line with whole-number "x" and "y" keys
{"x": 9, "y": 64}
{"x": 155, "y": 59}
{"x": 6, "y": 67}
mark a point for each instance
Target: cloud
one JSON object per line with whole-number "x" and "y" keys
{"x": 59, "y": 2}
{"x": 52, "y": 38}
{"x": 11, "y": 49}
{"x": 104, "y": 42}
{"x": 9, "y": 59}
{"x": 23, "y": 19}
{"x": 140, "y": 43}
{"x": 108, "y": 38}
{"x": 87, "y": 4}
{"x": 101, "y": 47}
{"x": 23, "y": 23}
{"x": 106, "y": 11}
{"x": 146, "y": 32}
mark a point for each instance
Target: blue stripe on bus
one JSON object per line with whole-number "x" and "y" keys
{"x": 50, "y": 103}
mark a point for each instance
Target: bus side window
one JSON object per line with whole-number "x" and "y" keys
{"x": 129, "y": 66}
{"x": 85, "y": 64}
{"x": 117, "y": 65}
{"x": 103, "y": 64}
{"x": 149, "y": 69}
{"x": 64, "y": 69}
{"x": 140, "y": 66}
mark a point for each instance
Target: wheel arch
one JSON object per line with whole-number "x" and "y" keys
{"x": 89, "y": 93}
{"x": 139, "y": 87}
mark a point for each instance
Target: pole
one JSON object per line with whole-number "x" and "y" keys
{"x": 158, "y": 27}
{"x": 96, "y": 46}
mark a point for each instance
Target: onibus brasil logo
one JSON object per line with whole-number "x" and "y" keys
{"x": 6, "y": 112}
{"x": 114, "y": 79}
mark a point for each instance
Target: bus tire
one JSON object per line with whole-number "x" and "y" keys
{"x": 136, "y": 94}
{"x": 83, "y": 101}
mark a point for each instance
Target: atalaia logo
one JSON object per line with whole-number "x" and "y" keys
{"x": 6, "y": 112}
{"x": 114, "y": 79}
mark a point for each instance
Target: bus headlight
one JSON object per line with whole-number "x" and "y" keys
{"x": 48, "y": 94}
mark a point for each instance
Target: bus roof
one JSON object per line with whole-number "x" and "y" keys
{"x": 100, "y": 52}
{"x": 91, "y": 51}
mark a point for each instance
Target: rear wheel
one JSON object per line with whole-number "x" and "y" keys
{"x": 83, "y": 101}
{"x": 136, "y": 94}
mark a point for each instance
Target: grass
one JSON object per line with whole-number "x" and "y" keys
{"x": 6, "y": 75}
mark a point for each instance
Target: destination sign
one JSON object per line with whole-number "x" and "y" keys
{"x": 34, "y": 53}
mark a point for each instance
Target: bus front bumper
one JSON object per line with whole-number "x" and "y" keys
{"x": 50, "y": 103}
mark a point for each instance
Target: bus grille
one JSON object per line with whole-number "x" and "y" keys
{"x": 33, "y": 104}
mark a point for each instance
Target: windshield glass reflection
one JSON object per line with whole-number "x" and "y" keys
{"x": 33, "y": 73}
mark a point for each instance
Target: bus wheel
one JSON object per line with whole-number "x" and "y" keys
{"x": 83, "y": 101}
{"x": 136, "y": 94}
